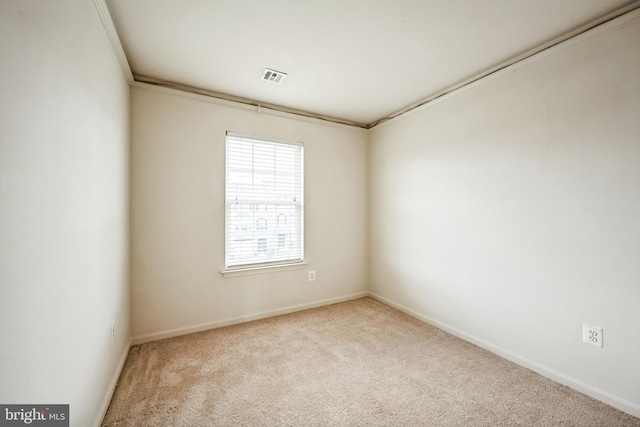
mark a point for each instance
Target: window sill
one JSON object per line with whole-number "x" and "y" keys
{"x": 248, "y": 271}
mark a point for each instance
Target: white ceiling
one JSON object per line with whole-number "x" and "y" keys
{"x": 356, "y": 60}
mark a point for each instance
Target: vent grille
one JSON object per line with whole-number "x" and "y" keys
{"x": 273, "y": 76}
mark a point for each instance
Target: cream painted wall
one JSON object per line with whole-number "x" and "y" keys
{"x": 510, "y": 213}
{"x": 64, "y": 125}
{"x": 178, "y": 164}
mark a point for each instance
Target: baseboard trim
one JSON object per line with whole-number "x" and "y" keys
{"x": 155, "y": 336}
{"x": 112, "y": 385}
{"x": 608, "y": 398}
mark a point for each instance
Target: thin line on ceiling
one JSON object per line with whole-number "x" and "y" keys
{"x": 425, "y": 101}
{"x": 112, "y": 33}
{"x": 246, "y": 101}
{"x": 510, "y": 62}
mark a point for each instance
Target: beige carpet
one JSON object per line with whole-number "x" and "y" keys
{"x": 358, "y": 363}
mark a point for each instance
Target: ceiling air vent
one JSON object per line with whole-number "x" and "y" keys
{"x": 273, "y": 76}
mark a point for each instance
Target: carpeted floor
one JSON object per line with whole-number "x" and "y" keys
{"x": 358, "y": 363}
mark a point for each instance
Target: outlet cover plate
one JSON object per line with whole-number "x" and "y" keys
{"x": 592, "y": 335}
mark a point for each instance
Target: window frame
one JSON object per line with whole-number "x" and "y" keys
{"x": 278, "y": 265}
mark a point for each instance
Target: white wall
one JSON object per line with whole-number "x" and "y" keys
{"x": 178, "y": 167}
{"x": 64, "y": 124}
{"x": 510, "y": 213}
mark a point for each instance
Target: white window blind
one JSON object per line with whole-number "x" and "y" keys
{"x": 264, "y": 202}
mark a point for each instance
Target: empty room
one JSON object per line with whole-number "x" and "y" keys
{"x": 221, "y": 213}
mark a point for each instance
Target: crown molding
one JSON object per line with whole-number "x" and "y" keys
{"x": 606, "y": 23}
{"x": 107, "y": 22}
{"x": 231, "y": 100}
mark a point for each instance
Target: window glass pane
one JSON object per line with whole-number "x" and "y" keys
{"x": 264, "y": 197}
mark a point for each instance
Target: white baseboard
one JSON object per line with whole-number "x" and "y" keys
{"x": 141, "y": 339}
{"x": 112, "y": 385}
{"x": 603, "y": 396}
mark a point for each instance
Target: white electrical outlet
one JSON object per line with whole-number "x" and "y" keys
{"x": 592, "y": 335}
{"x": 312, "y": 276}
{"x": 113, "y": 330}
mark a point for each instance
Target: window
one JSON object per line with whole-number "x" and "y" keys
{"x": 262, "y": 246}
{"x": 264, "y": 188}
